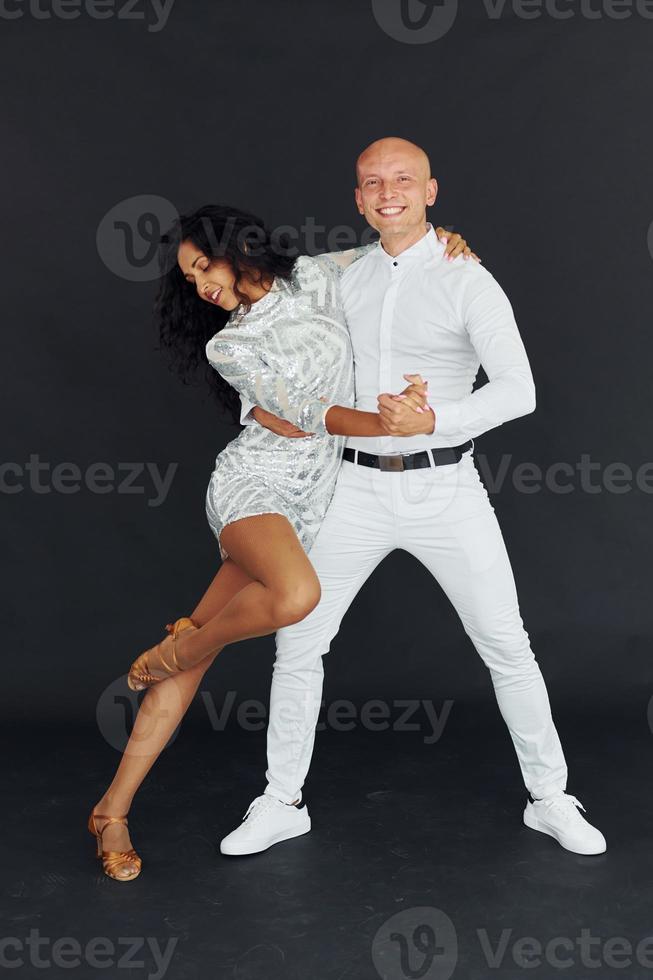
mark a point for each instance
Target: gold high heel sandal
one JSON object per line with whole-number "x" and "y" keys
{"x": 112, "y": 861}
{"x": 140, "y": 674}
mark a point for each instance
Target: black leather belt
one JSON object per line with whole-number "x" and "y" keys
{"x": 408, "y": 461}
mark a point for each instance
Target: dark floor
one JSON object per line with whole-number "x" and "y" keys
{"x": 418, "y": 865}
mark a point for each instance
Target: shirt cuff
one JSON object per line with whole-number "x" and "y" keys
{"x": 447, "y": 418}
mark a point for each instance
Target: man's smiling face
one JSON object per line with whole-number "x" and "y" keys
{"x": 395, "y": 187}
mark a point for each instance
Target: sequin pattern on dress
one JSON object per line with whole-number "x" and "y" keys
{"x": 291, "y": 354}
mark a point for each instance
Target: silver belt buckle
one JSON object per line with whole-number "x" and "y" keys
{"x": 391, "y": 464}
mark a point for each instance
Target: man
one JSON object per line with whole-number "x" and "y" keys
{"x": 416, "y": 487}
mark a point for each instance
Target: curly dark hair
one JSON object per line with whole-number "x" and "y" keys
{"x": 185, "y": 322}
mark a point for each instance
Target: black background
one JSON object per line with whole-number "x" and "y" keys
{"x": 539, "y": 134}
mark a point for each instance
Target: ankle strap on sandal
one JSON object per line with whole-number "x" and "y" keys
{"x": 109, "y": 820}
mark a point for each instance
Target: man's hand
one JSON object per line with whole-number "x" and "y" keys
{"x": 456, "y": 245}
{"x": 279, "y": 426}
{"x": 416, "y": 395}
{"x": 407, "y": 414}
{"x": 399, "y": 420}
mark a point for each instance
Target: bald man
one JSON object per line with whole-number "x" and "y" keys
{"x": 414, "y": 315}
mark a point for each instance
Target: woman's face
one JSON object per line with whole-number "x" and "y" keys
{"x": 213, "y": 278}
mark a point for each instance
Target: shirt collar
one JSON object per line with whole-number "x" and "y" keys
{"x": 426, "y": 248}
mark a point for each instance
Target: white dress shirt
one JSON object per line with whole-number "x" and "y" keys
{"x": 417, "y": 313}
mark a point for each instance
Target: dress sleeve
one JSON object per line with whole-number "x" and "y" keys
{"x": 339, "y": 261}
{"x": 239, "y": 363}
{"x": 510, "y": 391}
{"x": 246, "y": 417}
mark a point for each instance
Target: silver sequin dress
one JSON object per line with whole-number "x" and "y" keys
{"x": 292, "y": 355}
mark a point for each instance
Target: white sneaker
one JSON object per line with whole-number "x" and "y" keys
{"x": 558, "y": 817}
{"x": 266, "y": 822}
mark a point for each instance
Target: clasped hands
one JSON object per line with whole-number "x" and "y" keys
{"x": 407, "y": 414}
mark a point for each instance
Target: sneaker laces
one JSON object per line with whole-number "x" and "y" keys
{"x": 259, "y": 806}
{"x": 564, "y": 804}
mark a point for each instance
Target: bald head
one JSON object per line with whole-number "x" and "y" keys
{"x": 384, "y": 151}
{"x": 394, "y": 189}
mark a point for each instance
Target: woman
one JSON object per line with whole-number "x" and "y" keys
{"x": 274, "y": 329}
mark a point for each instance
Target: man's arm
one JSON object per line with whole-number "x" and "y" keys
{"x": 510, "y": 390}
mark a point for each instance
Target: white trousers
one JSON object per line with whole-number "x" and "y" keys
{"x": 443, "y": 516}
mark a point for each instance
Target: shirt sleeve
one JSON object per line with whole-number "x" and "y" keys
{"x": 510, "y": 391}
{"x": 236, "y": 360}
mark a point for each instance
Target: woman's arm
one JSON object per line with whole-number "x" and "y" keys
{"x": 339, "y": 261}
{"x": 339, "y": 421}
{"x": 456, "y": 245}
{"x": 342, "y": 421}
{"x": 236, "y": 360}
{"x": 352, "y": 422}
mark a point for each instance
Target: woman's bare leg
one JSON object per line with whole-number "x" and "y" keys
{"x": 269, "y": 567}
{"x": 161, "y": 710}
{"x": 283, "y": 590}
